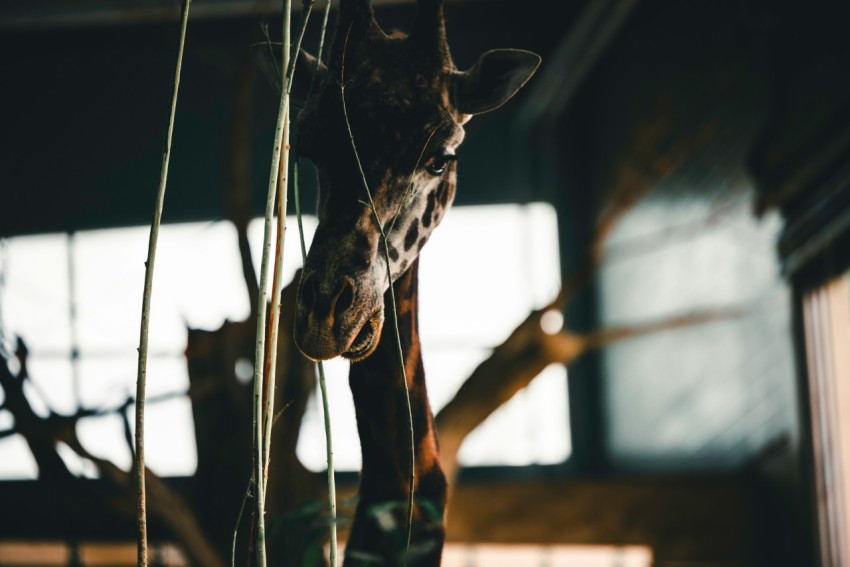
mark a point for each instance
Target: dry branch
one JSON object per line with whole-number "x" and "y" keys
{"x": 264, "y": 381}
{"x": 223, "y": 431}
{"x": 526, "y": 353}
{"x": 166, "y": 506}
{"x": 529, "y": 350}
{"x": 42, "y": 435}
{"x": 139, "y": 452}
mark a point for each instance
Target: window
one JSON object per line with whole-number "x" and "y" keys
{"x": 485, "y": 268}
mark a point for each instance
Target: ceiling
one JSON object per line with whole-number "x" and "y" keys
{"x": 82, "y": 148}
{"x": 18, "y": 14}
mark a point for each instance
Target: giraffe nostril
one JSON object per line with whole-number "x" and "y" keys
{"x": 308, "y": 292}
{"x": 344, "y": 298}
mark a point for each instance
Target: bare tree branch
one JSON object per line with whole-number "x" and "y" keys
{"x": 526, "y": 353}
{"x": 42, "y": 434}
{"x": 604, "y": 337}
{"x": 165, "y": 505}
{"x": 141, "y": 382}
{"x": 676, "y": 233}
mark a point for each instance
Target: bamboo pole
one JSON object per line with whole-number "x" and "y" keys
{"x": 141, "y": 378}
{"x": 259, "y": 424}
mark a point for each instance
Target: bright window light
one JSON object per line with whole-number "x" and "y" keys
{"x": 484, "y": 269}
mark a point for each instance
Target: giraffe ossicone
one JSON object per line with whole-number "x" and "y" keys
{"x": 406, "y": 104}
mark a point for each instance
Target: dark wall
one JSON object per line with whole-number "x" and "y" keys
{"x": 666, "y": 128}
{"x": 85, "y": 110}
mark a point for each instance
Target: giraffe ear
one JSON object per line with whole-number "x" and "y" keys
{"x": 493, "y": 80}
{"x": 266, "y": 55}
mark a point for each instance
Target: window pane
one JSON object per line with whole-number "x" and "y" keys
{"x": 481, "y": 274}
{"x": 35, "y": 295}
{"x": 16, "y": 461}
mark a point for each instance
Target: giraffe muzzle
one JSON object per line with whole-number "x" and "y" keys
{"x": 344, "y": 322}
{"x": 366, "y": 340}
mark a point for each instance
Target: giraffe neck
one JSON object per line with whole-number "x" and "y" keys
{"x": 377, "y": 385}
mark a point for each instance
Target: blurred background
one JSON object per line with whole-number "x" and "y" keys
{"x": 675, "y": 175}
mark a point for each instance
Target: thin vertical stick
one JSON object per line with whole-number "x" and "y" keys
{"x": 307, "y": 8}
{"x": 287, "y": 71}
{"x": 329, "y": 451}
{"x": 320, "y": 368}
{"x": 141, "y": 517}
{"x": 259, "y": 352}
{"x": 277, "y": 288}
{"x": 239, "y": 520}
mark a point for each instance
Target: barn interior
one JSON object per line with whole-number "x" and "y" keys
{"x": 675, "y": 179}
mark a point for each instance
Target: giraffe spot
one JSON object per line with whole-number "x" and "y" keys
{"x": 404, "y": 265}
{"x": 393, "y": 253}
{"x": 450, "y": 193}
{"x": 410, "y": 237}
{"x": 422, "y": 242}
{"x": 429, "y": 209}
{"x": 443, "y": 193}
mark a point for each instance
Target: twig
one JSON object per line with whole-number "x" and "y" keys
{"x": 412, "y": 471}
{"x": 141, "y": 518}
{"x": 259, "y": 352}
{"x": 409, "y": 184}
{"x": 247, "y": 494}
{"x": 239, "y": 518}
{"x": 321, "y": 48}
{"x": 320, "y": 368}
{"x": 604, "y": 337}
{"x": 99, "y": 412}
{"x": 277, "y": 288}
{"x": 307, "y": 9}
{"x": 288, "y": 65}
{"x": 289, "y": 70}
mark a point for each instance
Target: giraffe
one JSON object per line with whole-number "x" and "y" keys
{"x": 405, "y": 107}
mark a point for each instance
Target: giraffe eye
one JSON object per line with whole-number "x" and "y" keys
{"x": 438, "y": 164}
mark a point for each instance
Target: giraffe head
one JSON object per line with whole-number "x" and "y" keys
{"x": 406, "y": 104}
